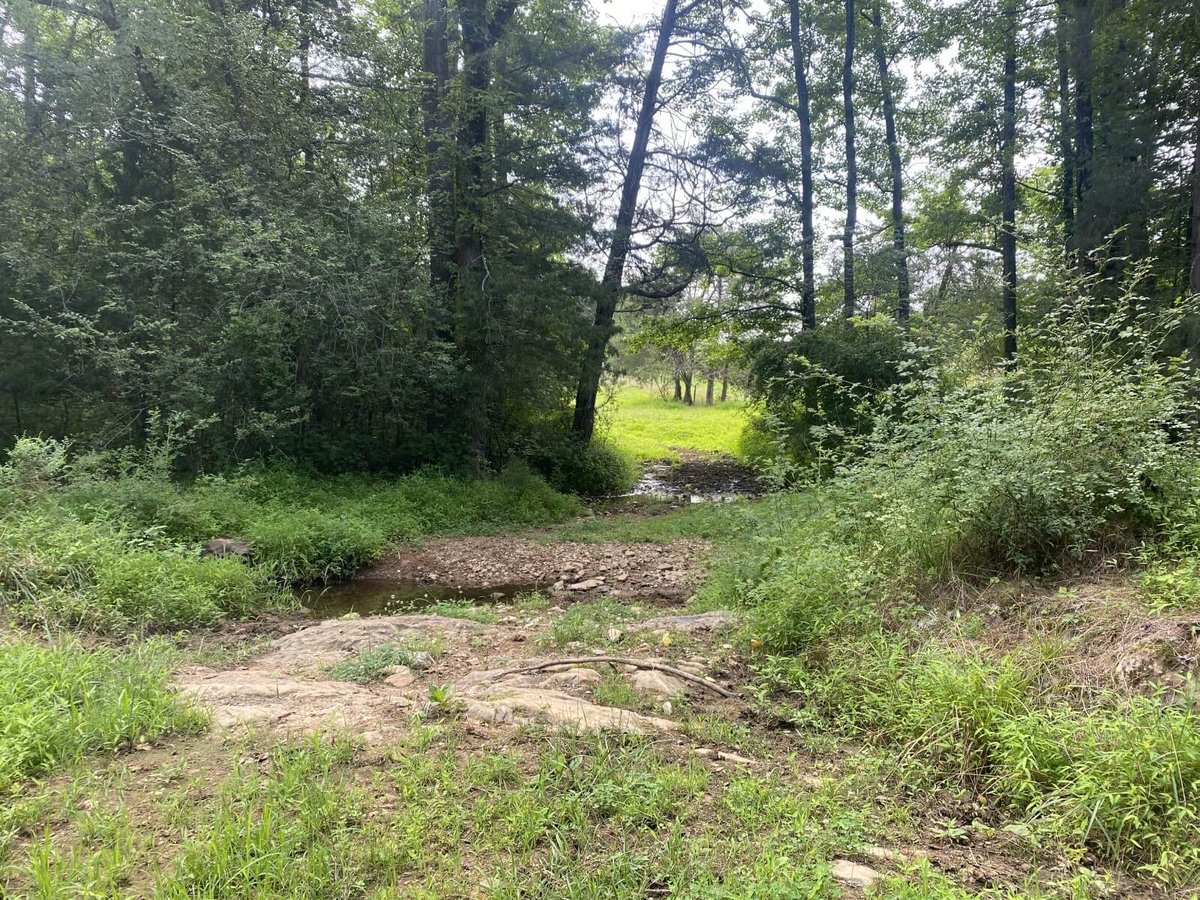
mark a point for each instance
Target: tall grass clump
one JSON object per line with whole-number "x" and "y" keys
{"x": 59, "y": 702}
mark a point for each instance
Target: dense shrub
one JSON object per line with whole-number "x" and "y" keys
{"x": 1022, "y": 470}
{"x": 817, "y": 389}
{"x": 593, "y": 469}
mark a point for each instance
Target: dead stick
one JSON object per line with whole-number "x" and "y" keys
{"x": 621, "y": 661}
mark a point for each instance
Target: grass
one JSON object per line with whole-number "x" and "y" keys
{"x": 587, "y": 623}
{"x": 556, "y": 816}
{"x": 374, "y": 663}
{"x": 120, "y": 554}
{"x": 643, "y": 426}
{"x": 60, "y": 702}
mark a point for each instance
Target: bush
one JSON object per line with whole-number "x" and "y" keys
{"x": 594, "y": 469}
{"x": 817, "y": 389}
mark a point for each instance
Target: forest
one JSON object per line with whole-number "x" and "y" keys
{"x": 582, "y": 449}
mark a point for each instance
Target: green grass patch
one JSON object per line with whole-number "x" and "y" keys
{"x": 62, "y": 701}
{"x": 565, "y": 816}
{"x": 120, "y": 553}
{"x": 373, "y": 663}
{"x": 643, "y": 426}
{"x": 587, "y": 622}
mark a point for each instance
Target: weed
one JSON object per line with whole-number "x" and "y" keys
{"x": 376, "y": 662}
{"x": 60, "y": 702}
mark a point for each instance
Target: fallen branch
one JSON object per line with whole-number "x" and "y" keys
{"x": 621, "y": 661}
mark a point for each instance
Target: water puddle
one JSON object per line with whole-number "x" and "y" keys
{"x": 698, "y": 480}
{"x": 379, "y": 597}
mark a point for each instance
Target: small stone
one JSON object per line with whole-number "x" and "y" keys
{"x": 401, "y": 677}
{"x": 615, "y": 634}
{"x": 854, "y": 874}
{"x": 518, "y": 637}
{"x": 586, "y": 585}
{"x": 668, "y": 707}
{"x": 655, "y": 682}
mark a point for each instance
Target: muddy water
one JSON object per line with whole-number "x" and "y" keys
{"x": 380, "y": 597}
{"x": 699, "y": 480}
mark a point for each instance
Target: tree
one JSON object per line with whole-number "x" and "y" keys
{"x": 592, "y": 366}
{"x": 848, "y": 301}
{"x": 895, "y": 165}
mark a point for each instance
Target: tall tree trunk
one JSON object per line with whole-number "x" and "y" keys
{"x": 1008, "y": 184}
{"x": 439, "y": 178}
{"x": 1194, "y": 279}
{"x": 687, "y": 388}
{"x": 708, "y": 391}
{"x": 678, "y": 388}
{"x": 33, "y": 110}
{"x": 808, "y": 294}
{"x": 305, "y": 46}
{"x": 477, "y": 306}
{"x": 848, "y": 298}
{"x": 899, "y": 248}
{"x": 725, "y": 384}
{"x": 592, "y": 366}
{"x": 1066, "y": 146}
{"x": 1084, "y": 65}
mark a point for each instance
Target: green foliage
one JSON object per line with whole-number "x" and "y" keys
{"x": 373, "y": 663}
{"x": 1027, "y": 470}
{"x": 593, "y": 469}
{"x": 818, "y": 388}
{"x": 119, "y": 552}
{"x": 1085, "y": 448}
{"x": 62, "y": 701}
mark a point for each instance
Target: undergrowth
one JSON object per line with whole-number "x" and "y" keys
{"x": 110, "y": 547}
{"x": 1083, "y": 452}
{"x": 59, "y": 702}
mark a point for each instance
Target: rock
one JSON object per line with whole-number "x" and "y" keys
{"x": 854, "y": 874}
{"x": 668, "y": 708}
{"x": 573, "y": 678}
{"x": 719, "y": 755}
{"x": 336, "y": 639}
{"x": 586, "y": 585}
{"x": 654, "y": 682}
{"x": 1141, "y": 665}
{"x": 614, "y": 635}
{"x": 227, "y": 547}
{"x": 690, "y": 624}
{"x": 401, "y": 677}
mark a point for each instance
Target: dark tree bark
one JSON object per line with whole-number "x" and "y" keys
{"x": 725, "y": 384}
{"x": 478, "y": 306}
{"x": 808, "y": 293}
{"x": 1194, "y": 279}
{"x": 709, "y": 391}
{"x": 678, "y": 388}
{"x": 305, "y": 47}
{"x": 687, "y": 388}
{"x": 439, "y": 177}
{"x": 614, "y": 271}
{"x": 1084, "y": 65}
{"x": 848, "y": 297}
{"x": 1066, "y": 145}
{"x": 899, "y": 248}
{"x": 1008, "y": 185}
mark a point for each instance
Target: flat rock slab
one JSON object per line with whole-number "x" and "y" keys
{"x": 244, "y": 697}
{"x": 337, "y": 639}
{"x": 497, "y": 698}
{"x": 854, "y": 874}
